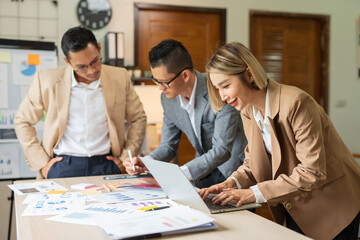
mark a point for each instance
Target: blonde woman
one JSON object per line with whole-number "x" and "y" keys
{"x": 295, "y": 160}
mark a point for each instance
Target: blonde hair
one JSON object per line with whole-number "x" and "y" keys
{"x": 233, "y": 59}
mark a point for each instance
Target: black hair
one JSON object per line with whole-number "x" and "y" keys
{"x": 172, "y": 54}
{"x": 76, "y": 39}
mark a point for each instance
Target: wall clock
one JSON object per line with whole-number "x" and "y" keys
{"x": 94, "y": 14}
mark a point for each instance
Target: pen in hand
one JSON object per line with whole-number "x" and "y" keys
{"x": 131, "y": 160}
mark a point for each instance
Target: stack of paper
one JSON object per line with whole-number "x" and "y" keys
{"x": 129, "y": 212}
{"x": 35, "y": 187}
{"x": 51, "y": 204}
{"x": 89, "y": 214}
{"x": 156, "y": 223}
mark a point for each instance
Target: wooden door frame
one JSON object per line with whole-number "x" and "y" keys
{"x": 146, "y": 6}
{"x": 324, "y": 51}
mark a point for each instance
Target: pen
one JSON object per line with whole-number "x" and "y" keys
{"x": 155, "y": 209}
{"x": 131, "y": 160}
{"x": 127, "y": 176}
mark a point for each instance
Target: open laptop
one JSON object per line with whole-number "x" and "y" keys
{"x": 178, "y": 188}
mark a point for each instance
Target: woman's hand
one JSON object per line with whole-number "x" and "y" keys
{"x": 240, "y": 195}
{"x": 217, "y": 188}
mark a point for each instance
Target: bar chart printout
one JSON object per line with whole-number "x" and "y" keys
{"x": 163, "y": 221}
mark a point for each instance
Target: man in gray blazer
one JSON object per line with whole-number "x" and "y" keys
{"x": 218, "y": 139}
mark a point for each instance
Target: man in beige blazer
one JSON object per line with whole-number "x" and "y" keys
{"x": 86, "y": 105}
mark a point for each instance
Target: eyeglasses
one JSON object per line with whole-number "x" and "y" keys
{"x": 83, "y": 69}
{"x": 167, "y": 84}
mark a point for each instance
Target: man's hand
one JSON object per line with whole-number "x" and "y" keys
{"x": 217, "y": 188}
{"x": 118, "y": 162}
{"x": 138, "y": 165}
{"x": 46, "y": 169}
{"x": 240, "y": 195}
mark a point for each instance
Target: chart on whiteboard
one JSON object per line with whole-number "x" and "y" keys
{"x": 9, "y": 162}
{"x": 24, "y": 66}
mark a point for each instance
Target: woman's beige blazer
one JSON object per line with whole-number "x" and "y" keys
{"x": 311, "y": 173}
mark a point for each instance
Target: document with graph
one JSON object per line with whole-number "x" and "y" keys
{"x": 156, "y": 223}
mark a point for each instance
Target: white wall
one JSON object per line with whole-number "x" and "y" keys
{"x": 343, "y": 82}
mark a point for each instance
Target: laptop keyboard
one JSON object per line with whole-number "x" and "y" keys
{"x": 214, "y": 206}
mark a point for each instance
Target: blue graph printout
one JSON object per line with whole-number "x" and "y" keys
{"x": 129, "y": 194}
{"x": 90, "y": 214}
{"x": 53, "y": 206}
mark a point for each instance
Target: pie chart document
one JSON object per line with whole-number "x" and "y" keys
{"x": 19, "y": 62}
{"x": 23, "y": 72}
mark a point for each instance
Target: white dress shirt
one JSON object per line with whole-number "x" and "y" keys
{"x": 265, "y": 128}
{"x": 189, "y": 107}
{"x": 86, "y": 132}
{"x": 263, "y": 123}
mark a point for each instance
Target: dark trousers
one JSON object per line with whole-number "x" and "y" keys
{"x": 349, "y": 233}
{"x": 72, "y": 166}
{"x": 213, "y": 178}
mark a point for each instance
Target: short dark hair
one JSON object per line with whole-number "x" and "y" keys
{"x": 76, "y": 39}
{"x": 172, "y": 54}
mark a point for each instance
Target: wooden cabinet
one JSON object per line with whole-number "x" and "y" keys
{"x": 186, "y": 151}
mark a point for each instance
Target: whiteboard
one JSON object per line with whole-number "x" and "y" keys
{"x": 19, "y": 61}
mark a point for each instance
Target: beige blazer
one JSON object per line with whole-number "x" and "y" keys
{"x": 50, "y": 92}
{"x": 311, "y": 173}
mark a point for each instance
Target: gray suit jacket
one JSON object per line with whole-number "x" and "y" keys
{"x": 222, "y": 139}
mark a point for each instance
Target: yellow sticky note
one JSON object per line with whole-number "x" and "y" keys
{"x": 33, "y": 59}
{"x": 86, "y": 192}
{"x": 5, "y": 57}
{"x": 57, "y": 192}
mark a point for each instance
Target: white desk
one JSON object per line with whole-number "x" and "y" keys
{"x": 232, "y": 225}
